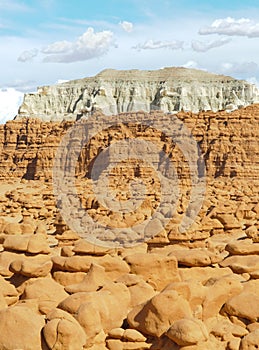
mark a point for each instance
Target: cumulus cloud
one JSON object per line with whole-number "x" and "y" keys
{"x": 127, "y": 26}
{"x": 233, "y": 27}
{"x": 239, "y": 69}
{"x": 10, "y": 100}
{"x": 58, "y": 47}
{"x": 89, "y": 45}
{"x": 200, "y": 46}
{"x": 28, "y": 55}
{"x": 154, "y": 45}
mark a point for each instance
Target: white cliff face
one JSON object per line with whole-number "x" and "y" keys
{"x": 169, "y": 89}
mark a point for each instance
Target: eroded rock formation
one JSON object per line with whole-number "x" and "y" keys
{"x": 228, "y": 142}
{"x": 196, "y": 290}
{"x": 70, "y": 294}
{"x": 168, "y": 89}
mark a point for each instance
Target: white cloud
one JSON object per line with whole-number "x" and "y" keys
{"x": 27, "y": 55}
{"x": 231, "y": 26}
{"x": 154, "y": 45}
{"x": 87, "y": 46}
{"x": 193, "y": 64}
{"x": 10, "y": 100}
{"x": 240, "y": 69}
{"x": 190, "y": 64}
{"x": 127, "y": 26}
{"x": 58, "y": 47}
{"x": 200, "y": 46}
{"x": 21, "y": 85}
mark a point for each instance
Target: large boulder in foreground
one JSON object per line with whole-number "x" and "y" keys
{"x": 158, "y": 314}
{"x": 20, "y": 328}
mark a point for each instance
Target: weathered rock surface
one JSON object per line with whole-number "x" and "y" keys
{"x": 188, "y": 332}
{"x": 62, "y": 331}
{"x": 192, "y": 291}
{"x": 158, "y": 270}
{"x": 244, "y": 305}
{"x": 46, "y": 291}
{"x": 126, "y": 300}
{"x": 156, "y": 316}
{"x": 20, "y": 328}
{"x": 250, "y": 341}
{"x": 168, "y": 89}
{"x": 228, "y": 141}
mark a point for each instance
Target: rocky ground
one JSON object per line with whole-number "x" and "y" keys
{"x": 60, "y": 292}
{"x": 195, "y": 291}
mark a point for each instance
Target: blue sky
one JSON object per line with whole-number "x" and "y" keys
{"x": 46, "y": 41}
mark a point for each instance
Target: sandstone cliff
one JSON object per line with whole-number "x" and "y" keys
{"x": 168, "y": 89}
{"x": 228, "y": 141}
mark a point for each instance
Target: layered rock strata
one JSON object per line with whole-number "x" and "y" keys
{"x": 112, "y": 91}
{"x": 228, "y": 142}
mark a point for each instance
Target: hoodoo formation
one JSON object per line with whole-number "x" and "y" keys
{"x": 192, "y": 290}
